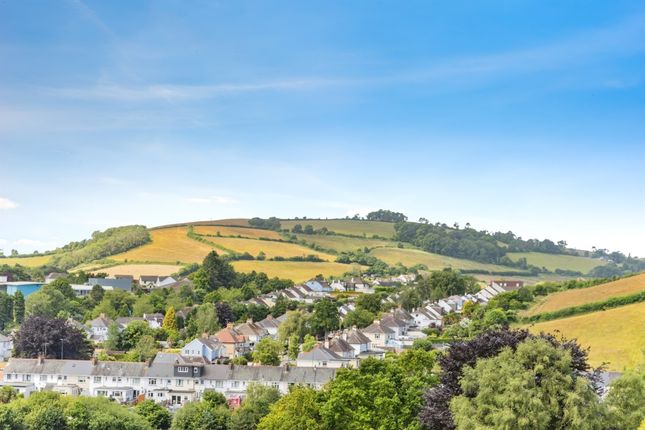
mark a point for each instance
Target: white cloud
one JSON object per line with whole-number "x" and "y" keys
{"x": 7, "y": 204}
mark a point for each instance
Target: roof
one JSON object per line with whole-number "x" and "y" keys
{"x": 162, "y": 369}
{"x": 230, "y": 335}
{"x": 269, "y": 322}
{"x": 377, "y": 328}
{"x": 320, "y": 353}
{"x": 356, "y": 337}
{"x": 100, "y": 321}
{"x": 338, "y": 345}
{"x": 250, "y": 328}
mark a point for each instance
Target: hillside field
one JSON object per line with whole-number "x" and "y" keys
{"x": 410, "y": 257}
{"x": 344, "y": 243}
{"x": 253, "y": 233}
{"x": 35, "y": 261}
{"x": 558, "y": 261}
{"x": 581, "y": 296}
{"x": 616, "y": 336}
{"x": 346, "y": 226}
{"x": 169, "y": 245}
{"x": 270, "y": 248}
{"x": 297, "y": 271}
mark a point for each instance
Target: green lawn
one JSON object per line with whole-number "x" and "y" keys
{"x": 557, "y": 261}
{"x": 346, "y": 226}
{"x": 344, "y": 243}
{"x": 410, "y": 257}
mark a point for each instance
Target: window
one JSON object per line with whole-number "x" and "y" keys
{"x": 275, "y": 385}
{"x": 236, "y": 384}
{"x": 97, "y": 379}
{"x": 152, "y": 381}
{"x": 118, "y": 379}
{"x": 81, "y": 379}
{"x": 42, "y": 377}
{"x": 114, "y": 379}
{"x": 136, "y": 381}
{"x": 219, "y": 383}
{"x": 182, "y": 369}
{"x": 27, "y": 377}
{"x": 159, "y": 394}
{"x": 179, "y": 382}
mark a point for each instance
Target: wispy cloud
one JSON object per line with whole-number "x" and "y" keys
{"x": 5, "y": 203}
{"x": 188, "y": 92}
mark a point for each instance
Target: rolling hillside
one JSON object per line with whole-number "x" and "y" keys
{"x": 344, "y": 243}
{"x": 616, "y": 336}
{"x": 558, "y": 261}
{"x": 411, "y": 257}
{"x": 581, "y": 296}
{"x": 294, "y": 270}
{"x": 39, "y": 260}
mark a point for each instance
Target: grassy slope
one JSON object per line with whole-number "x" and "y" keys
{"x": 252, "y": 233}
{"x": 270, "y": 248}
{"x": 410, "y": 257}
{"x": 169, "y": 245}
{"x": 555, "y": 261}
{"x": 35, "y": 261}
{"x": 345, "y": 226}
{"x": 343, "y": 243}
{"x": 577, "y": 297}
{"x": 616, "y": 335}
{"x": 297, "y": 271}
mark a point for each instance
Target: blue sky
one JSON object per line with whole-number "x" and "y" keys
{"x": 520, "y": 115}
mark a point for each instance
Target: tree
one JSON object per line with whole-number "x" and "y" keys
{"x": 46, "y": 302}
{"x": 113, "y": 342}
{"x": 204, "y": 320}
{"x": 369, "y": 302}
{"x": 359, "y": 318}
{"x": 387, "y": 216}
{"x": 309, "y": 229}
{"x": 146, "y": 348}
{"x": 7, "y": 394}
{"x": 267, "y": 351}
{"x": 132, "y": 334}
{"x": 201, "y": 416}
{"x": 18, "y": 307}
{"x": 52, "y": 337}
{"x": 325, "y": 317}
{"x": 435, "y": 413}
{"x": 308, "y": 343}
{"x": 294, "y": 347}
{"x": 296, "y": 229}
{"x": 257, "y": 402}
{"x": 169, "y": 322}
{"x": 528, "y": 388}
{"x": 62, "y": 285}
{"x": 410, "y": 299}
{"x": 626, "y": 399}
{"x": 158, "y": 416}
{"x": 225, "y": 313}
{"x": 6, "y": 310}
{"x": 299, "y": 410}
{"x": 220, "y": 272}
{"x": 115, "y": 303}
{"x": 280, "y": 306}
{"x": 96, "y": 294}
{"x": 295, "y": 324}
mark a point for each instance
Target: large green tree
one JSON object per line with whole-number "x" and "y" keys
{"x": 325, "y": 317}
{"x": 267, "y": 351}
{"x": 220, "y": 272}
{"x": 299, "y": 410}
{"x": 532, "y": 387}
{"x": 257, "y": 402}
{"x": 626, "y": 399}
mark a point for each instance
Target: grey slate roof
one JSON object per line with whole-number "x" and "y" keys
{"x": 377, "y": 328}
{"x": 339, "y": 345}
{"x": 319, "y": 353}
{"x": 356, "y": 337}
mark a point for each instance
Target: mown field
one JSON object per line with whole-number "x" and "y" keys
{"x": 297, "y": 271}
{"x": 35, "y": 261}
{"x": 346, "y": 226}
{"x": 253, "y": 233}
{"x": 137, "y": 270}
{"x": 556, "y": 261}
{"x": 344, "y": 243}
{"x": 410, "y": 257}
{"x": 616, "y": 336}
{"x": 169, "y": 245}
{"x": 581, "y": 296}
{"x": 270, "y": 248}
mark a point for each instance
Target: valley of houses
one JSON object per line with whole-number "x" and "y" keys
{"x": 175, "y": 378}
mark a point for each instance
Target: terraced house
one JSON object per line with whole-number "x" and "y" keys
{"x": 168, "y": 383}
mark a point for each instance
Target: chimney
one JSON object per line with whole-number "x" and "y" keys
{"x": 102, "y": 315}
{"x": 249, "y": 321}
{"x": 94, "y": 360}
{"x": 41, "y": 358}
{"x": 326, "y": 343}
{"x": 205, "y": 335}
{"x": 230, "y": 325}
{"x": 149, "y": 362}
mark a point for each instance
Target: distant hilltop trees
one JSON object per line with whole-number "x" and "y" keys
{"x": 386, "y": 215}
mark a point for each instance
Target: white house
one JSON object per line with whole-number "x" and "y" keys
{"x": 271, "y": 325}
{"x": 320, "y": 356}
{"x": 6, "y": 346}
{"x": 252, "y": 331}
{"x": 154, "y": 320}
{"x": 99, "y": 328}
{"x": 318, "y": 286}
{"x": 379, "y": 334}
{"x": 210, "y": 349}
